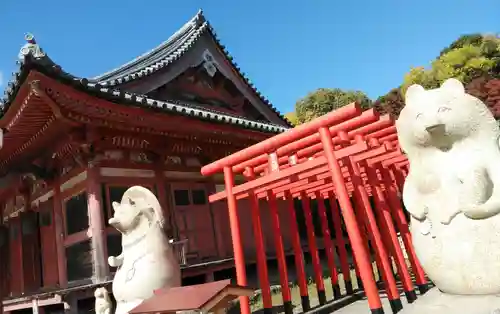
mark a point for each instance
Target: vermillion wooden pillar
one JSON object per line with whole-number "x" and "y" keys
{"x": 328, "y": 246}
{"x": 59, "y": 230}
{"x": 386, "y": 220}
{"x": 260, "y": 250}
{"x": 402, "y": 224}
{"x": 374, "y": 234}
{"x": 280, "y": 253}
{"x": 313, "y": 248}
{"x": 239, "y": 257}
{"x": 298, "y": 254}
{"x": 101, "y": 271}
{"x": 339, "y": 238}
{"x": 278, "y": 240}
{"x": 353, "y": 230}
{"x": 297, "y": 245}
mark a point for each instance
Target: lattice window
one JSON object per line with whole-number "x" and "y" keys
{"x": 199, "y": 197}
{"x": 181, "y": 197}
{"x": 79, "y": 261}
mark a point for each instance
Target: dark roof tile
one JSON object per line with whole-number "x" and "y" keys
{"x": 120, "y": 96}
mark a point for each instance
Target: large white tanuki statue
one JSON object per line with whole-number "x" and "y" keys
{"x": 147, "y": 261}
{"x": 453, "y": 187}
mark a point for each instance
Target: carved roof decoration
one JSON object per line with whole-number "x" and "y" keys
{"x": 32, "y": 58}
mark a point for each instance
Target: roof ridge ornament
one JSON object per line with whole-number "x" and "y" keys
{"x": 199, "y": 18}
{"x": 31, "y": 48}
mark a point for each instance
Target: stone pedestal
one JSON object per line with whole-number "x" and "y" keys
{"x": 436, "y": 302}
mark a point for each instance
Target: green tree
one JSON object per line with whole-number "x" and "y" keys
{"x": 421, "y": 76}
{"x": 469, "y": 39}
{"x": 390, "y": 103}
{"x": 291, "y": 117}
{"x": 465, "y": 64}
{"x": 474, "y": 59}
{"x": 325, "y": 100}
{"x": 467, "y": 58}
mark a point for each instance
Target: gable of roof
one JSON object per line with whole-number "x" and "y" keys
{"x": 170, "y": 51}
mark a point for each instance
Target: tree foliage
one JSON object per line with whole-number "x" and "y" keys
{"x": 466, "y": 59}
{"x": 473, "y": 59}
{"x": 470, "y": 39}
{"x": 291, "y": 117}
{"x": 488, "y": 90}
{"x": 391, "y": 103}
{"x": 324, "y": 100}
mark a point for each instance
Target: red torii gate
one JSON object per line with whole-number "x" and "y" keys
{"x": 342, "y": 154}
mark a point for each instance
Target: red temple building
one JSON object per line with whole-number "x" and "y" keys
{"x": 71, "y": 146}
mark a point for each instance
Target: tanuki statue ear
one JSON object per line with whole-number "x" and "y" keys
{"x": 454, "y": 86}
{"x": 413, "y": 91}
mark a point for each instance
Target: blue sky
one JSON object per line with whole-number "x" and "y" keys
{"x": 287, "y": 48}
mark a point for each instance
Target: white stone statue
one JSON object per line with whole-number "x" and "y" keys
{"x": 103, "y": 303}
{"x": 147, "y": 261}
{"x": 453, "y": 187}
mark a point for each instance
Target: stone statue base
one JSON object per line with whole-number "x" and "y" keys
{"x": 435, "y": 301}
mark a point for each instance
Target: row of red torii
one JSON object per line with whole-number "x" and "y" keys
{"x": 348, "y": 152}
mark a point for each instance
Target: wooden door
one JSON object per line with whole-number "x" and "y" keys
{"x": 31, "y": 251}
{"x": 48, "y": 236}
{"x": 194, "y": 220}
{"x": 16, "y": 257}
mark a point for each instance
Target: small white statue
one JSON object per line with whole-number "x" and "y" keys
{"x": 103, "y": 303}
{"x": 453, "y": 187}
{"x": 147, "y": 261}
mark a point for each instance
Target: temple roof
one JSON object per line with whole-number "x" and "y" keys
{"x": 107, "y": 85}
{"x": 158, "y": 58}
